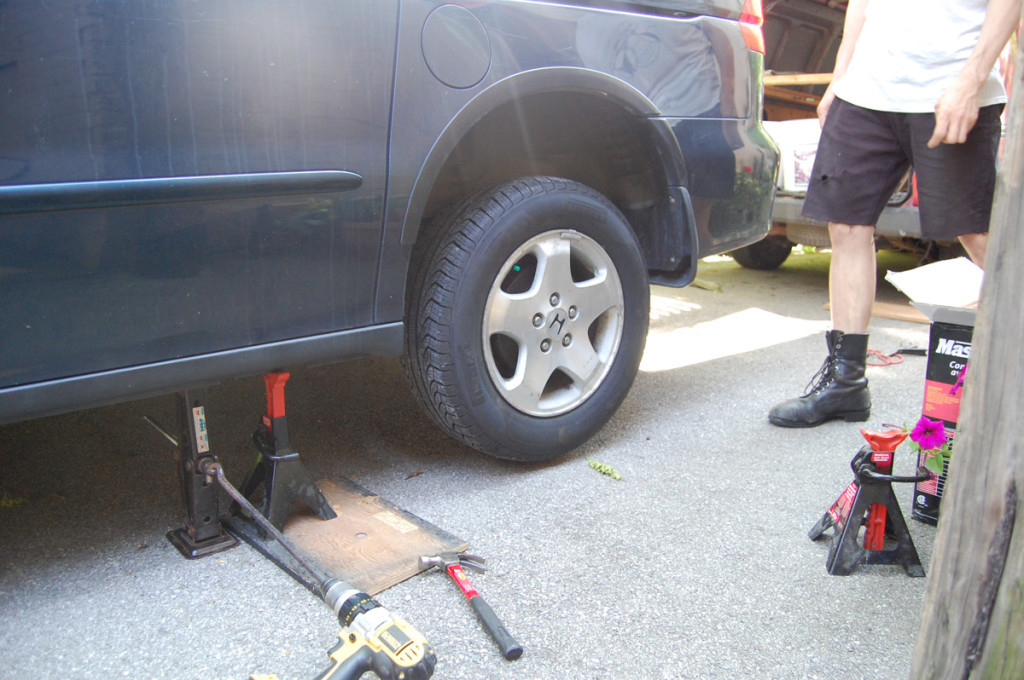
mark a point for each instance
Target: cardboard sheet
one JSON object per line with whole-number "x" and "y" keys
{"x": 949, "y": 283}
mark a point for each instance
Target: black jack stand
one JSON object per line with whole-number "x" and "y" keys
{"x": 869, "y": 501}
{"x": 202, "y": 534}
{"x": 278, "y": 468}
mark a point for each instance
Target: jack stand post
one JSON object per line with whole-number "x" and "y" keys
{"x": 868, "y": 501}
{"x": 202, "y": 534}
{"x": 278, "y": 468}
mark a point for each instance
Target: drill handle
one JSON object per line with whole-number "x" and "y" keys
{"x": 349, "y": 666}
{"x": 510, "y": 649}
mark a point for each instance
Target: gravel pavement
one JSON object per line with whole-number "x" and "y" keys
{"x": 696, "y": 564}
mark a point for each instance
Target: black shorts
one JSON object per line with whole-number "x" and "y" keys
{"x": 863, "y": 155}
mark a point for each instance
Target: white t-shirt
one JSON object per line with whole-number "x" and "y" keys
{"x": 909, "y": 51}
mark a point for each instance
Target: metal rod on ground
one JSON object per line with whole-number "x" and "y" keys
{"x": 371, "y": 638}
{"x": 215, "y": 468}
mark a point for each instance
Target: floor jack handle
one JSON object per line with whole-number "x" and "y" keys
{"x": 371, "y": 638}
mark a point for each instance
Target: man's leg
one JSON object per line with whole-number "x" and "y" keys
{"x": 975, "y": 245}
{"x": 851, "y": 276}
{"x": 840, "y": 390}
{"x": 859, "y": 162}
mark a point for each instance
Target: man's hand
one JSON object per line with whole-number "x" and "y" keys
{"x": 825, "y": 104}
{"x": 956, "y": 112}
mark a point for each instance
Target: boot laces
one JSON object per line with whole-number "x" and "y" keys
{"x": 822, "y": 379}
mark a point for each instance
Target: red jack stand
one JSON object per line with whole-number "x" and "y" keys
{"x": 278, "y": 468}
{"x": 869, "y": 501}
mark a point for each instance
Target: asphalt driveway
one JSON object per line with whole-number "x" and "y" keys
{"x": 696, "y": 564}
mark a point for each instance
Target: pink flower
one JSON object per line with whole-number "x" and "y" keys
{"x": 929, "y": 434}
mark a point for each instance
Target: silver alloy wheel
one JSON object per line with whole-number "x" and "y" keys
{"x": 553, "y": 323}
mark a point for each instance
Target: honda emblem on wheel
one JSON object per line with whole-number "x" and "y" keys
{"x": 557, "y": 320}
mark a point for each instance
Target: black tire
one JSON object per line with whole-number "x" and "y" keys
{"x": 550, "y": 273}
{"x": 765, "y": 255}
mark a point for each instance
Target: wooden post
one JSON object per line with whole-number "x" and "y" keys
{"x": 973, "y": 622}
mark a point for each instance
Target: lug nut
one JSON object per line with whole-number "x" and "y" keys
{"x": 538, "y": 320}
{"x": 573, "y": 312}
{"x": 545, "y": 345}
{"x": 567, "y": 340}
{"x": 555, "y": 299}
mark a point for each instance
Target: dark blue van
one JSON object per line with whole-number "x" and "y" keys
{"x": 192, "y": 190}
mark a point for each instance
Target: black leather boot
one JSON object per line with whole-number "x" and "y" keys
{"x": 839, "y": 390}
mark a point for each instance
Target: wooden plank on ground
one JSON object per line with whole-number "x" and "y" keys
{"x": 892, "y": 310}
{"x": 372, "y": 543}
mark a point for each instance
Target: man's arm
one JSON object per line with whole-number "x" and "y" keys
{"x": 956, "y": 112}
{"x": 852, "y": 24}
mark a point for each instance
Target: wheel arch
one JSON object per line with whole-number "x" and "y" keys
{"x": 574, "y": 123}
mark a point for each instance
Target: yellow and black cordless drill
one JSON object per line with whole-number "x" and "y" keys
{"x": 371, "y": 638}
